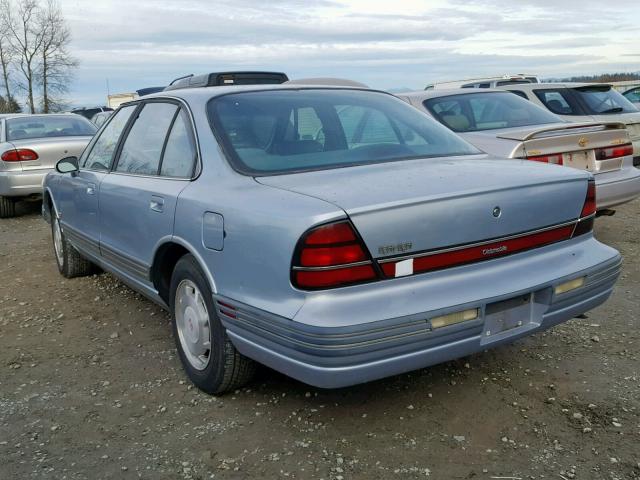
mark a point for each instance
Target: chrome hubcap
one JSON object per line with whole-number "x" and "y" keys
{"x": 192, "y": 322}
{"x": 57, "y": 240}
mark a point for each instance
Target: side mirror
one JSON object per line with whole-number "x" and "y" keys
{"x": 68, "y": 165}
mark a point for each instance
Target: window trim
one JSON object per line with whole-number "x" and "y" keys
{"x": 181, "y": 104}
{"x": 98, "y": 134}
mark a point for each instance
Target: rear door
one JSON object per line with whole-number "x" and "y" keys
{"x": 77, "y": 195}
{"x": 154, "y": 164}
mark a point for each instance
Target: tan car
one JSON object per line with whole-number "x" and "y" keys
{"x": 503, "y": 124}
{"x": 584, "y": 102}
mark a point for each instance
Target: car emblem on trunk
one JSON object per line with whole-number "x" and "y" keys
{"x": 583, "y": 142}
{"x": 496, "y": 211}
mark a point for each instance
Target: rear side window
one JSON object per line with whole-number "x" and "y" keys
{"x": 558, "y": 101}
{"x": 474, "y": 112}
{"x": 101, "y": 153}
{"x": 48, "y": 126}
{"x": 180, "y": 153}
{"x": 633, "y": 95}
{"x": 279, "y": 131}
{"x": 143, "y": 146}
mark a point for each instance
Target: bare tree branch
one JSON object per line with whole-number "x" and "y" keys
{"x": 56, "y": 64}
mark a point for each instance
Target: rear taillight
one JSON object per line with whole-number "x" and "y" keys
{"x": 19, "y": 155}
{"x": 585, "y": 224}
{"x": 331, "y": 256}
{"x": 614, "y": 152}
{"x": 555, "y": 159}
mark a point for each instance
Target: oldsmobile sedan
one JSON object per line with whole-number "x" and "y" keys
{"x": 337, "y": 235}
{"x": 505, "y": 125}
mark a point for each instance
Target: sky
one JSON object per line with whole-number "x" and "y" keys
{"x": 126, "y": 45}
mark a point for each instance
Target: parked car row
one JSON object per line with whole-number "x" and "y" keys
{"x": 336, "y": 233}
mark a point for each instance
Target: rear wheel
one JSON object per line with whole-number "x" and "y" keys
{"x": 70, "y": 262}
{"x": 7, "y": 207}
{"x": 211, "y": 361}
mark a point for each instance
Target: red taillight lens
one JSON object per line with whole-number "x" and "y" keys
{"x": 325, "y": 256}
{"x": 331, "y": 256}
{"x": 19, "y": 155}
{"x": 334, "y": 278}
{"x": 585, "y": 225}
{"x": 331, "y": 234}
{"x": 614, "y": 152}
{"x": 556, "y": 158}
{"x": 589, "y": 207}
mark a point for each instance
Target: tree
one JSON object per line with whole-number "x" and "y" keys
{"x": 56, "y": 64}
{"x": 9, "y": 106}
{"x": 6, "y": 58}
{"x": 26, "y": 40}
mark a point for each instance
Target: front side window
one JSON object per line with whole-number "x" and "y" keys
{"x": 347, "y": 127}
{"x": 143, "y": 146}
{"x": 604, "y": 100}
{"x": 558, "y": 101}
{"x": 101, "y": 152}
{"x": 39, "y": 126}
{"x": 474, "y": 112}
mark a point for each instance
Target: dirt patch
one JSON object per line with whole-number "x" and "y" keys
{"x": 91, "y": 387}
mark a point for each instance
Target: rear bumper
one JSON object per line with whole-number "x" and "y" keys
{"x": 331, "y": 356}
{"x": 618, "y": 187}
{"x": 22, "y": 184}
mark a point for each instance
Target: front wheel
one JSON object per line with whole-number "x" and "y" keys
{"x": 70, "y": 263}
{"x": 209, "y": 358}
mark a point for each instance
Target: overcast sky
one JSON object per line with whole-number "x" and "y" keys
{"x": 386, "y": 44}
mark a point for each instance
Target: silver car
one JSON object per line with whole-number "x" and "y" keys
{"x": 584, "y": 102}
{"x": 30, "y": 146}
{"x": 335, "y": 234}
{"x": 505, "y": 125}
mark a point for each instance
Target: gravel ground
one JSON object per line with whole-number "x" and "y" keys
{"x": 91, "y": 387}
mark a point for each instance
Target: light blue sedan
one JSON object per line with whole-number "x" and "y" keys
{"x": 337, "y": 235}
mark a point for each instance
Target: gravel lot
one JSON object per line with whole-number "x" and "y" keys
{"x": 91, "y": 387}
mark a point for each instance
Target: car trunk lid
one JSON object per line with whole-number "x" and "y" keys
{"x": 50, "y": 150}
{"x": 418, "y": 205}
{"x": 573, "y": 145}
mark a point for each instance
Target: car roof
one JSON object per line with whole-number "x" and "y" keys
{"x": 532, "y": 86}
{"x": 424, "y": 94}
{"x": 22, "y": 115}
{"x": 205, "y": 93}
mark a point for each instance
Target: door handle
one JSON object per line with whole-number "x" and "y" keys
{"x": 91, "y": 189}
{"x": 156, "y": 204}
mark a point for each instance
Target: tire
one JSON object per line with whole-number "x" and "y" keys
{"x": 70, "y": 263}
{"x": 7, "y": 207}
{"x": 217, "y": 367}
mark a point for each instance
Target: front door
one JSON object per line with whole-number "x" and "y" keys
{"x": 138, "y": 198}
{"x": 77, "y": 203}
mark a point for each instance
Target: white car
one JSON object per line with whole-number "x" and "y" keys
{"x": 584, "y": 102}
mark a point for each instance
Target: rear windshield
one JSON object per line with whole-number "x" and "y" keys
{"x": 45, "y": 126}
{"x": 603, "y": 100}
{"x": 280, "y": 131}
{"x": 474, "y": 112}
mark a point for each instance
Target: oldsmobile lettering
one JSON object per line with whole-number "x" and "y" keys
{"x": 493, "y": 251}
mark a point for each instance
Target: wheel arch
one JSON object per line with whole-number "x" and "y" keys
{"x": 48, "y": 205}
{"x": 165, "y": 258}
